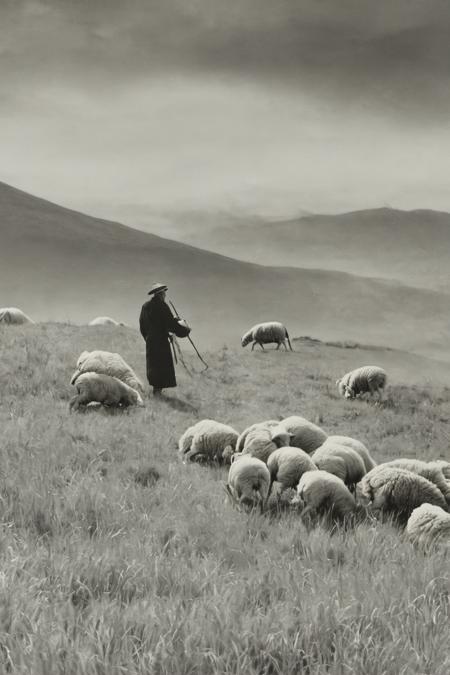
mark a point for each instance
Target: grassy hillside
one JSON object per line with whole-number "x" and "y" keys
{"x": 104, "y": 574}
{"x": 62, "y": 265}
{"x": 410, "y": 246}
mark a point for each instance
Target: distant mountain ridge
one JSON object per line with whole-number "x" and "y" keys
{"x": 412, "y": 247}
{"x": 58, "y": 264}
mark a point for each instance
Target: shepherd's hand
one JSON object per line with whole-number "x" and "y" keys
{"x": 183, "y": 323}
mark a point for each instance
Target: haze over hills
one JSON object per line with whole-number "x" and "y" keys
{"x": 410, "y": 246}
{"x": 58, "y": 264}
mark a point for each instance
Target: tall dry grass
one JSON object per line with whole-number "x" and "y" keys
{"x": 106, "y": 570}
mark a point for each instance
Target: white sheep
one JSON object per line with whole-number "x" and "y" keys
{"x": 443, "y": 465}
{"x": 304, "y": 434}
{"x": 357, "y": 446}
{"x": 260, "y": 442}
{"x": 430, "y": 470}
{"x": 428, "y": 525}
{"x": 287, "y": 465}
{"x": 269, "y": 424}
{"x": 110, "y": 391}
{"x": 14, "y": 316}
{"x": 367, "y": 379}
{"x": 107, "y": 363}
{"x": 248, "y": 481}
{"x": 208, "y": 441}
{"x": 104, "y": 321}
{"x": 398, "y": 492}
{"x": 340, "y": 460}
{"x": 321, "y": 492}
{"x": 266, "y": 333}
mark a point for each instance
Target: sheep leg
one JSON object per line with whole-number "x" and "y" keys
{"x": 74, "y": 403}
{"x": 253, "y": 346}
{"x": 278, "y": 346}
{"x": 262, "y": 346}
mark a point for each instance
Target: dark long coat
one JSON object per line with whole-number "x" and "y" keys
{"x": 156, "y": 322}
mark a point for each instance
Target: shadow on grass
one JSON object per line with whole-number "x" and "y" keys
{"x": 178, "y": 403}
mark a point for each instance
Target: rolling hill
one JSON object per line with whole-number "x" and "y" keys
{"x": 412, "y": 247}
{"x": 61, "y": 265}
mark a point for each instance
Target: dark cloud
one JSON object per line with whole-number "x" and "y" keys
{"x": 384, "y": 54}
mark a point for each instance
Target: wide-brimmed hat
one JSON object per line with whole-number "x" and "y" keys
{"x": 157, "y": 288}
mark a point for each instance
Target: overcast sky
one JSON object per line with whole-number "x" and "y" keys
{"x": 265, "y": 106}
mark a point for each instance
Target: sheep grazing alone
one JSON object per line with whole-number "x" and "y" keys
{"x": 397, "y": 492}
{"x": 208, "y": 441}
{"x": 287, "y": 465}
{"x": 110, "y": 391}
{"x": 367, "y": 379}
{"x": 267, "y": 333}
{"x": 107, "y": 363}
{"x": 269, "y": 424}
{"x": 248, "y": 481}
{"x": 304, "y": 434}
{"x": 357, "y": 446}
{"x": 342, "y": 461}
{"x": 429, "y": 470}
{"x": 104, "y": 321}
{"x": 429, "y": 525}
{"x": 13, "y": 316}
{"x": 321, "y": 492}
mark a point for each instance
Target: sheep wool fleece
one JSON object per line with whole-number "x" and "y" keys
{"x": 156, "y": 322}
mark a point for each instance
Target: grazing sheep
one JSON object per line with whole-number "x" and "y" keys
{"x": 208, "y": 441}
{"x": 428, "y": 470}
{"x": 357, "y": 446}
{"x": 248, "y": 481}
{"x": 367, "y": 379}
{"x": 287, "y": 465}
{"x": 398, "y": 492}
{"x": 14, "y": 316}
{"x": 443, "y": 466}
{"x": 107, "y": 363}
{"x": 269, "y": 424}
{"x": 322, "y": 492}
{"x": 340, "y": 460}
{"x": 267, "y": 333}
{"x": 304, "y": 434}
{"x": 110, "y": 391}
{"x": 428, "y": 525}
{"x": 261, "y": 443}
{"x": 104, "y": 321}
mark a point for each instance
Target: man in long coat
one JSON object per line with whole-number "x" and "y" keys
{"x": 156, "y": 322}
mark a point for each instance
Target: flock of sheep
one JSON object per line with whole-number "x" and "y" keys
{"x": 15, "y": 316}
{"x": 293, "y": 463}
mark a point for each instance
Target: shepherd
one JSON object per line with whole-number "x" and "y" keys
{"x": 156, "y": 323}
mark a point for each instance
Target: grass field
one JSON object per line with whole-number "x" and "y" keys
{"x": 106, "y": 570}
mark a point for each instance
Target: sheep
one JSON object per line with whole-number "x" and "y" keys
{"x": 103, "y": 389}
{"x": 367, "y": 379}
{"x": 340, "y": 460}
{"x": 13, "y": 315}
{"x": 248, "y": 481}
{"x": 428, "y": 525}
{"x": 357, "y": 446}
{"x": 321, "y": 492}
{"x": 287, "y": 465}
{"x": 443, "y": 465}
{"x": 242, "y": 437}
{"x": 266, "y": 333}
{"x": 397, "y": 492}
{"x": 304, "y": 434}
{"x": 209, "y": 441}
{"x": 107, "y": 363}
{"x": 429, "y": 470}
{"x": 260, "y": 442}
{"x": 104, "y": 321}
